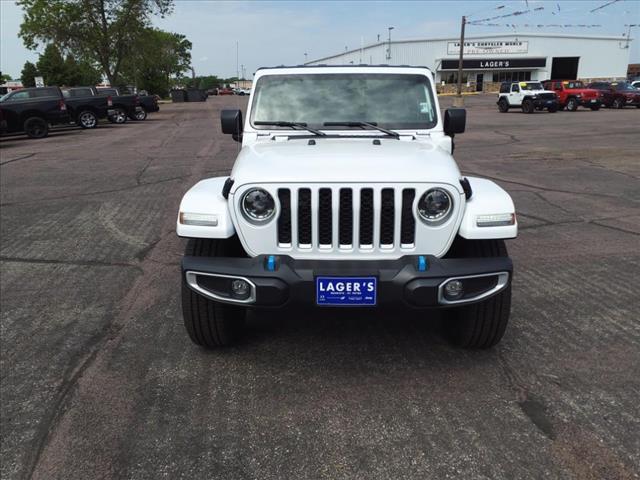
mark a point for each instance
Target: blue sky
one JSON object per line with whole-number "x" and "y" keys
{"x": 275, "y": 33}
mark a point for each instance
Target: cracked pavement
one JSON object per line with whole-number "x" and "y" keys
{"x": 99, "y": 380}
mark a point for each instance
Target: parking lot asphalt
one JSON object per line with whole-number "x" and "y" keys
{"x": 99, "y": 379}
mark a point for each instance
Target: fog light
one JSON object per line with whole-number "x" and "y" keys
{"x": 453, "y": 290}
{"x": 240, "y": 288}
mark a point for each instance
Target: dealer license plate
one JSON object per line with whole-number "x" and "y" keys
{"x": 344, "y": 291}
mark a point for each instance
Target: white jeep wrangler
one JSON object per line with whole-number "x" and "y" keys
{"x": 345, "y": 194}
{"x": 529, "y": 96}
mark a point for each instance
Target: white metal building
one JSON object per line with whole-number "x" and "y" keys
{"x": 501, "y": 57}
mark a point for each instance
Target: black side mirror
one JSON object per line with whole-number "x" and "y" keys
{"x": 455, "y": 120}
{"x": 232, "y": 123}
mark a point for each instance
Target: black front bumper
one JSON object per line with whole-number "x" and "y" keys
{"x": 589, "y": 102}
{"x": 399, "y": 282}
{"x": 545, "y": 103}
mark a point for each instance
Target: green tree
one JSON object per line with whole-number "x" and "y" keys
{"x": 101, "y": 32}
{"x": 80, "y": 73}
{"x": 51, "y": 66}
{"x": 5, "y": 78}
{"x": 28, "y": 74}
{"x": 159, "y": 56}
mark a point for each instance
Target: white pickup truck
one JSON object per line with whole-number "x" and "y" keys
{"x": 345, "y": 194}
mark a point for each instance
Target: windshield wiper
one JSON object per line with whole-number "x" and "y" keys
{"x": 291, "y": 125}
{"x": 373, "y": 125}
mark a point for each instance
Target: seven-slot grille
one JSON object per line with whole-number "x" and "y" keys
{"x": 345, "y": 217}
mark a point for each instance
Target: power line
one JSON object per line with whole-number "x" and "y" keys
{"x": 604, "y": 5}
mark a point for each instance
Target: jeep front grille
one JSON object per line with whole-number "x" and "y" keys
{"x": 385, "y": 218}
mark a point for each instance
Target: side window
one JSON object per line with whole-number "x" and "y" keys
{"x": 44, "y": 92}
{"x": 515, "y": 88}
{"x": 19, "y": 96}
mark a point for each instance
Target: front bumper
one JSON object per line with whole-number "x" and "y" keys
{"x": 400, "y": 282}
{"x": 545, "y": 103}
{"x": 589, "y": 102}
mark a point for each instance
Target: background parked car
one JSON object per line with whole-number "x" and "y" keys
{"x": 32, "y": 110}
{"x": 636, "y": 84}
{"x": 86, "y": 107}
{"x": 574, "y": 93}
{"x": 225, "y": 91}
{"x": 242, "y": 91}
{"x": 124, "y": 106}
{"x": 617, "y": 94}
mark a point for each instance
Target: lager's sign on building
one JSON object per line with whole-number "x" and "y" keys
{"x": 494, "y": 63}
{"x": 488, "y": 47}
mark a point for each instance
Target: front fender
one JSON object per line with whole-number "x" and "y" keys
{"x": 488, "y": 199}
{"x": 205, "y": 198}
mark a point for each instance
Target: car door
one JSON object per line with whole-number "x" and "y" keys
{"x": 515, "y": 97}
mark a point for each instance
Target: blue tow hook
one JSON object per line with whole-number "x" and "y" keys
{"x": 422, "y": 264}
{"x": 271, "y": 263}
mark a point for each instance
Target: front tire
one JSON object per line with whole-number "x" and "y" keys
{"x": 595, "y": 108}
{"x": 503, "y": 105}
{"x": 618, "y": 103}
{"x": 527, "y": 106}
{"x": 139, "y": 116}
{"x": 87, "y": 119}
{"x": 119, "y": 117}
{"x": 553, "y": 109}
{"x": 572, "y": 104}
{"x": 483, "y": 324}
{"x": 36, "y": 127}
{"x": 212, "y": 324}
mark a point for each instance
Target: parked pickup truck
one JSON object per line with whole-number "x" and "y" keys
{"x": 33, "y": 110}
{"x": 345, "y": 194}
{"x": 86, "y": 107}
{"x": 149, "y": 104}
{"x": 574, "y": 93}
{"x": 124, "y": 106}
{"x": 617, "y": 94}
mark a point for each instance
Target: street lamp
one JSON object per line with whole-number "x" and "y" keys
{"x": 389, "y": 49}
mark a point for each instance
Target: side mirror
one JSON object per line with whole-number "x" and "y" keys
{"x": 455, "y": 120}
{"x": 232, "y": 123}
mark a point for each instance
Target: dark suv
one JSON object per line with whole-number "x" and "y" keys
{"x": 32, "y": 110}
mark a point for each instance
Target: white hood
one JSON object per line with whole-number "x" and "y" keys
{"x": 348, "y": 160}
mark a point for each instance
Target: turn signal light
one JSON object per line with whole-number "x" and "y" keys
{"x": 496, "y": 220}
{"x": 198, "y": 219}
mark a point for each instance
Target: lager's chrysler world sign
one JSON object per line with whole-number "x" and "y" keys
{"x": 488, "y": 47}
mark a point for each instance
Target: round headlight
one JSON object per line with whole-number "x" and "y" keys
{"x": 258, "y": 205}
{"x": 435, "y": 205}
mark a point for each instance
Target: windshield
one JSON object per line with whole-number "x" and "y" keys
{"x": 4, "y": 97}
{"x": 623, "y": 86}
{"x": 393, "y": 101}
{"x": 531, "y": 86}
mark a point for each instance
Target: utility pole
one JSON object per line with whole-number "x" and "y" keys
{"x": 389, "y": 48}
{"x": 237, "y": 70}
{"x": 458, "y": 100}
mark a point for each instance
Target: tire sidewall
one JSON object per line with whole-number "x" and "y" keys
{"x": 36, "y": 127}
{"x": 87, "y": 119}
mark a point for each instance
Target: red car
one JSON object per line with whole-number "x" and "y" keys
{"x": 225, "y": 91}
{"x": 617, "y": 94}
{"x": 574, "y": 93}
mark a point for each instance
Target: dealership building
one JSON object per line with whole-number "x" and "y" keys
{"x": 491, "y": 59}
